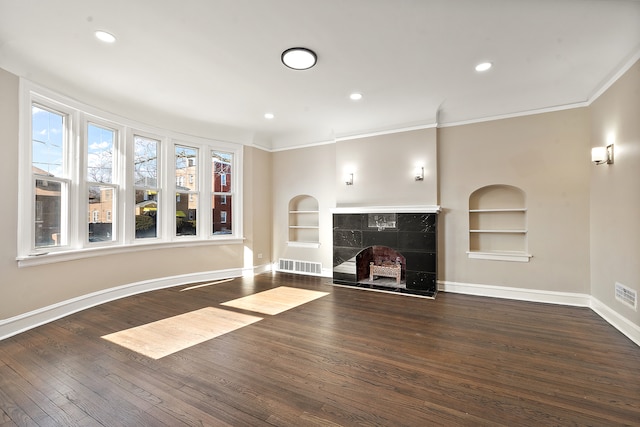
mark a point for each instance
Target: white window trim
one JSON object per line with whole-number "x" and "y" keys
{"x": 117, "y": 179}
{"x": 78, "y": 116}
{"x": 202, "y": 204}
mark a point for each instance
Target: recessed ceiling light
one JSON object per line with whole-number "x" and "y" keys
{"x": 484, "y": 66}
{"x": 268, "y": 116}
{"x": 105, "y": 37}
{"x": 355, "y": 96}
{"x": 299, "y": 58}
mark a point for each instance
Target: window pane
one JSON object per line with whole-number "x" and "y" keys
{"x": 221, "y": 164}
{"x": 145, "y": 162}
{"x": 100, "y": 143}
{"x": 146, "y": 214}
{"x": 222, "y": 218}
{"x": 48, "y": 215}
{"x": 48, "y": 135}
{"x": 100, "y": 208}
{"x": 186, "y": 214}
{"x": 186, "y": 169}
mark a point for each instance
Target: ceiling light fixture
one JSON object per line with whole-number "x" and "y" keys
{"x": 355, "y": 96}
{"x": 299, "y": 58}
{"x": 268, "y": 116}
{"x": 484, "y": 66}
{"x": 105, "y": 37}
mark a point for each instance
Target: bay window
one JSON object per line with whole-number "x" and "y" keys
{"x": 97, "y": 181}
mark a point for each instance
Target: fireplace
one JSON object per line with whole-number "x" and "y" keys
{"x": 391, "y": 251}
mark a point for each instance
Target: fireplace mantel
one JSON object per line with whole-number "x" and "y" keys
{"x": 386, "y": 209}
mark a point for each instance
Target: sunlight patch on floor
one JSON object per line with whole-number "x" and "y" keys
{"x": 167, "y": 336}
{"x": 275, "y": 300}
{"x": 205, "y": 284}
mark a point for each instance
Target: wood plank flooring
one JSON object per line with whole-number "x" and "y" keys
{"x": 352, "y": 357}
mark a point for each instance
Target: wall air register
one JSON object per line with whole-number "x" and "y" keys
{"x": 627, "y": 295}
{"x": 300, "y": 267}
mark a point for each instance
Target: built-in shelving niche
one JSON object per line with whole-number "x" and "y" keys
{"x": 304, "y": 222}
{"x": 498, "y": 224}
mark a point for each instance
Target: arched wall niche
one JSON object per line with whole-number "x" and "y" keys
{"x": 498, "y": 223}
{"x": 304, "y": 220}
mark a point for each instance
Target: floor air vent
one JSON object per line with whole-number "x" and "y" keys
{"x": 626, "y": 295}
{"x": 302, "y": 267}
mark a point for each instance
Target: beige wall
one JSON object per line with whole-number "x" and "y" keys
{"x": 257, "y": 206}
{"x": 546, "y": 156}
{"x": 615, "y": 193}
{"x": 383, "y": 168}
{"x": 309, "y": 171}
{"x": 26, "y": 289}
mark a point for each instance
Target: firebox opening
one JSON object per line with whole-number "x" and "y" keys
{"x": 381, "y": 265}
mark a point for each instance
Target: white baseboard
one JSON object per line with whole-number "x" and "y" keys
{"x": 23, "y": 322}
{"x": 257, "y": 269}
{"x": 631, "y": 330}
{"x": 533, "y": 295}
{"x": 622, "y": 324}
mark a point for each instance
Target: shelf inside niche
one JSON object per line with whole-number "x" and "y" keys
{"x": 500, "y": 255}
{"x": 499, "y": 231}
{"x": 498, "y": 210}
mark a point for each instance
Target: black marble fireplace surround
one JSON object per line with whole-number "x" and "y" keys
{"x": 409, "y": 240}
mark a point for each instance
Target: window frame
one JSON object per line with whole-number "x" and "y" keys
{"x": 197, "y": 192}
{"x": 117, "y": 177}
{"x": 231, "y": 191}
{"x": 78, "y": 117}
{"x": 27, "y": 182}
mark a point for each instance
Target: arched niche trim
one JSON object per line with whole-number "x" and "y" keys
{"x": 498, "y": 223}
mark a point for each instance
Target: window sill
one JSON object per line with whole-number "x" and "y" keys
{"x": 76, "y": 254}
{"x": 501, "y": 256}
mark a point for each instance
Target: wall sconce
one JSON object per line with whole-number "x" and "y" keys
{"x": 602, "y": 155}
{"x": 419, "y": 173}
{"x": 348, "y": 179}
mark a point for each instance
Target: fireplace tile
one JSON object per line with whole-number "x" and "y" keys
{"x": 348, "y": 221}
{"x": 425, "y": 223}
{"x": 348, "y": 238}
{"x": 417, "y": 241}
{"x": 420, "y": 261}
{"x": 380, "y": 238}
{"x": 343, "y": 255}
{"x": 421, "y": 281}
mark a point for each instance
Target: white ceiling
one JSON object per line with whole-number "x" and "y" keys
{"x": 215, "y": 64}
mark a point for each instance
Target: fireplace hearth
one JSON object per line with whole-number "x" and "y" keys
{"x": 370, "y": 249}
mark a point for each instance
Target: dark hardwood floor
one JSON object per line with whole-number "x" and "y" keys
{"x": 353, "y": 357}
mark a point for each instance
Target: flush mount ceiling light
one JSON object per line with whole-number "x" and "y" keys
{"x": 355, "y": 96}
{"x": 299, "y": 58}
{"x": 483, "y": 66}
{"x": 268, "y": 116}
{"x": 105, "y": 37}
